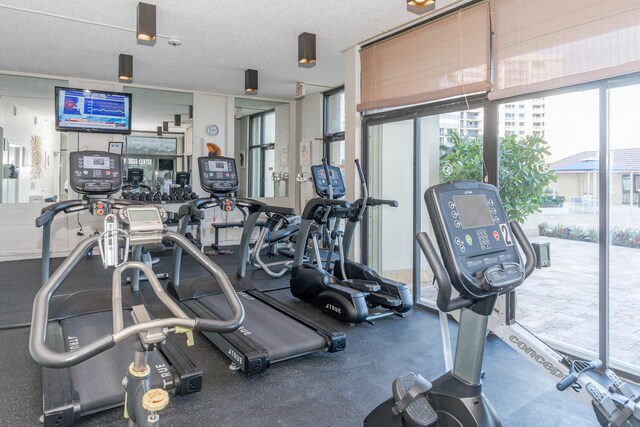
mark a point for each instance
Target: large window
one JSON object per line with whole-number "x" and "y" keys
{"x": 262, "y": 145}
{"x": 333, "y": 133}
{"x": 560, "y": 140}
{"x": 567, "y": 164}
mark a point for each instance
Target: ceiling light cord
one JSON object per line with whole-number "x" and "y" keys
{"x": 83, "y": 21}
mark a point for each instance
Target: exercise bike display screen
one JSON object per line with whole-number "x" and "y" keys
{"x": 96, "y": 162}
{"x": 95, "y": 172}
{"x": 473, "y": 211}
{"x": 218, "y": 175}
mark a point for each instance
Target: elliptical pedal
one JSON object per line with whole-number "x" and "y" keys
{"x": 384, "y": 299}
{"x": 410, "y": 397}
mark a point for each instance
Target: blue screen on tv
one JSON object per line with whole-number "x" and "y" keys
{"x": 79, "y": 110}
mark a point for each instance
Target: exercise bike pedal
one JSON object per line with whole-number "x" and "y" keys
{"x": 362, "y": 285}
{"x": 410, "y": 397}
{"x": 619, "y": 386}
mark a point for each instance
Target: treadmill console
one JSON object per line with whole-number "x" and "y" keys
{"x": 322, "y": 186}
{"x": 95, "y": 172}
{"x": 218, "y": 175}
{"x": 475, "y": 238}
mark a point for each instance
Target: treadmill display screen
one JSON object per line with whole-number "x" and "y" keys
{"x": 143, "y": 215}
{"x": 218, "y": 166}
{"x": 473, "y": 210}
{"x": 91, "y": 162}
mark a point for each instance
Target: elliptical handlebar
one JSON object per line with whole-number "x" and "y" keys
{"x": 43, "y": 355}
{"x": 379, "y": 202}
{"x": 365, "y": 189}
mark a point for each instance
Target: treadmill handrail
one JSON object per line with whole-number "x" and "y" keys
{"x": 49, "y": 212}
{"x": 43, "y": 355}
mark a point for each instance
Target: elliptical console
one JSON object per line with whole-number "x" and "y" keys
{"x": 321, "y": 184}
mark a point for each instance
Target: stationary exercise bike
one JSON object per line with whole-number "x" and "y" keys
{"x": 133, "y": 225}
{"x": 480, "y": 259}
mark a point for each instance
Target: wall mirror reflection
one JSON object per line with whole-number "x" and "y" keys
{"x": 157, "y": 154}
{"x": 33, "y": 155}
{"x": 262, "y": 147}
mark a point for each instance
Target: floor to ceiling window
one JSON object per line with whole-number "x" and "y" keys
{"x": 262, "y": 135}
{"x": 624, "y": 224}
{"x": 334, "y": 127}
{"x": 548, "y": 179}
{"x": 451, "y": 148}
{"x": 390, "y": 176}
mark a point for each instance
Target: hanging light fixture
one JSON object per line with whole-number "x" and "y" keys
{"x": 251, "y": 82}
{"x": 177, "y": 120}
{"x": 307, "y": 50}
{"x": 421, "y": 6}
{"x": 146, "y": 22}
{"x": 159, "y": 131}
{"x": 165, "y": 126}
{"x": 125, "y": 68}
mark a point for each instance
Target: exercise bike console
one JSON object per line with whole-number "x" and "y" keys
{"x": 475, "y": 238}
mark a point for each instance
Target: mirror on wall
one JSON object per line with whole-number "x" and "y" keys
{"x": 33, "y": 155}
{"x": 160, "y": 144}
{"x": 262, "y": 147}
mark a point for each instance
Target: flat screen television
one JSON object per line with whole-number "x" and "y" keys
{"x": 83, "y": 110}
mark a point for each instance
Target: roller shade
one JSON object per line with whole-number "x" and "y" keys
{"x": 546, "y": 44}
{"x": 444, "y": 58}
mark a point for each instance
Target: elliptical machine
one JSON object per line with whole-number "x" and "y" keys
{"x": 310, "y": 282}
{"x": 392, "y": 295}
{"x": 479, "y": 258}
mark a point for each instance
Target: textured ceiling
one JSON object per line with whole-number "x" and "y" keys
{"x": 220, "y": 39}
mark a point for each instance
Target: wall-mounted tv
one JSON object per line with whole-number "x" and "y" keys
{"x": 83, "y": 110}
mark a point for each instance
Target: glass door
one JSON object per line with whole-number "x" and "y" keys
{"x": 450, "y": 149}
{"x": 549, "y": 182}
{"x": 391, "y": 176}
{"x": 624, "y": 226}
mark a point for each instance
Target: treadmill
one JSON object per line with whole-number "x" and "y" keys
{"x": 272, "y": 331}
{"x": 76, "y": 319}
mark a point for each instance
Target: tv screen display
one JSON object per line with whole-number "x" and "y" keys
{"x": 82, "y": 110}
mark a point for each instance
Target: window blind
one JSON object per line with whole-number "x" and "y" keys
{"x": 444, "y": 58}
{"x": 546, "y": 44}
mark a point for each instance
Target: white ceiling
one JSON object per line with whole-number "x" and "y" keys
{"x": 220, "y": 39}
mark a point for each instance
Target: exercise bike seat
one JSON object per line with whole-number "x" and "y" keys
{"x": 410, "y": 397}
